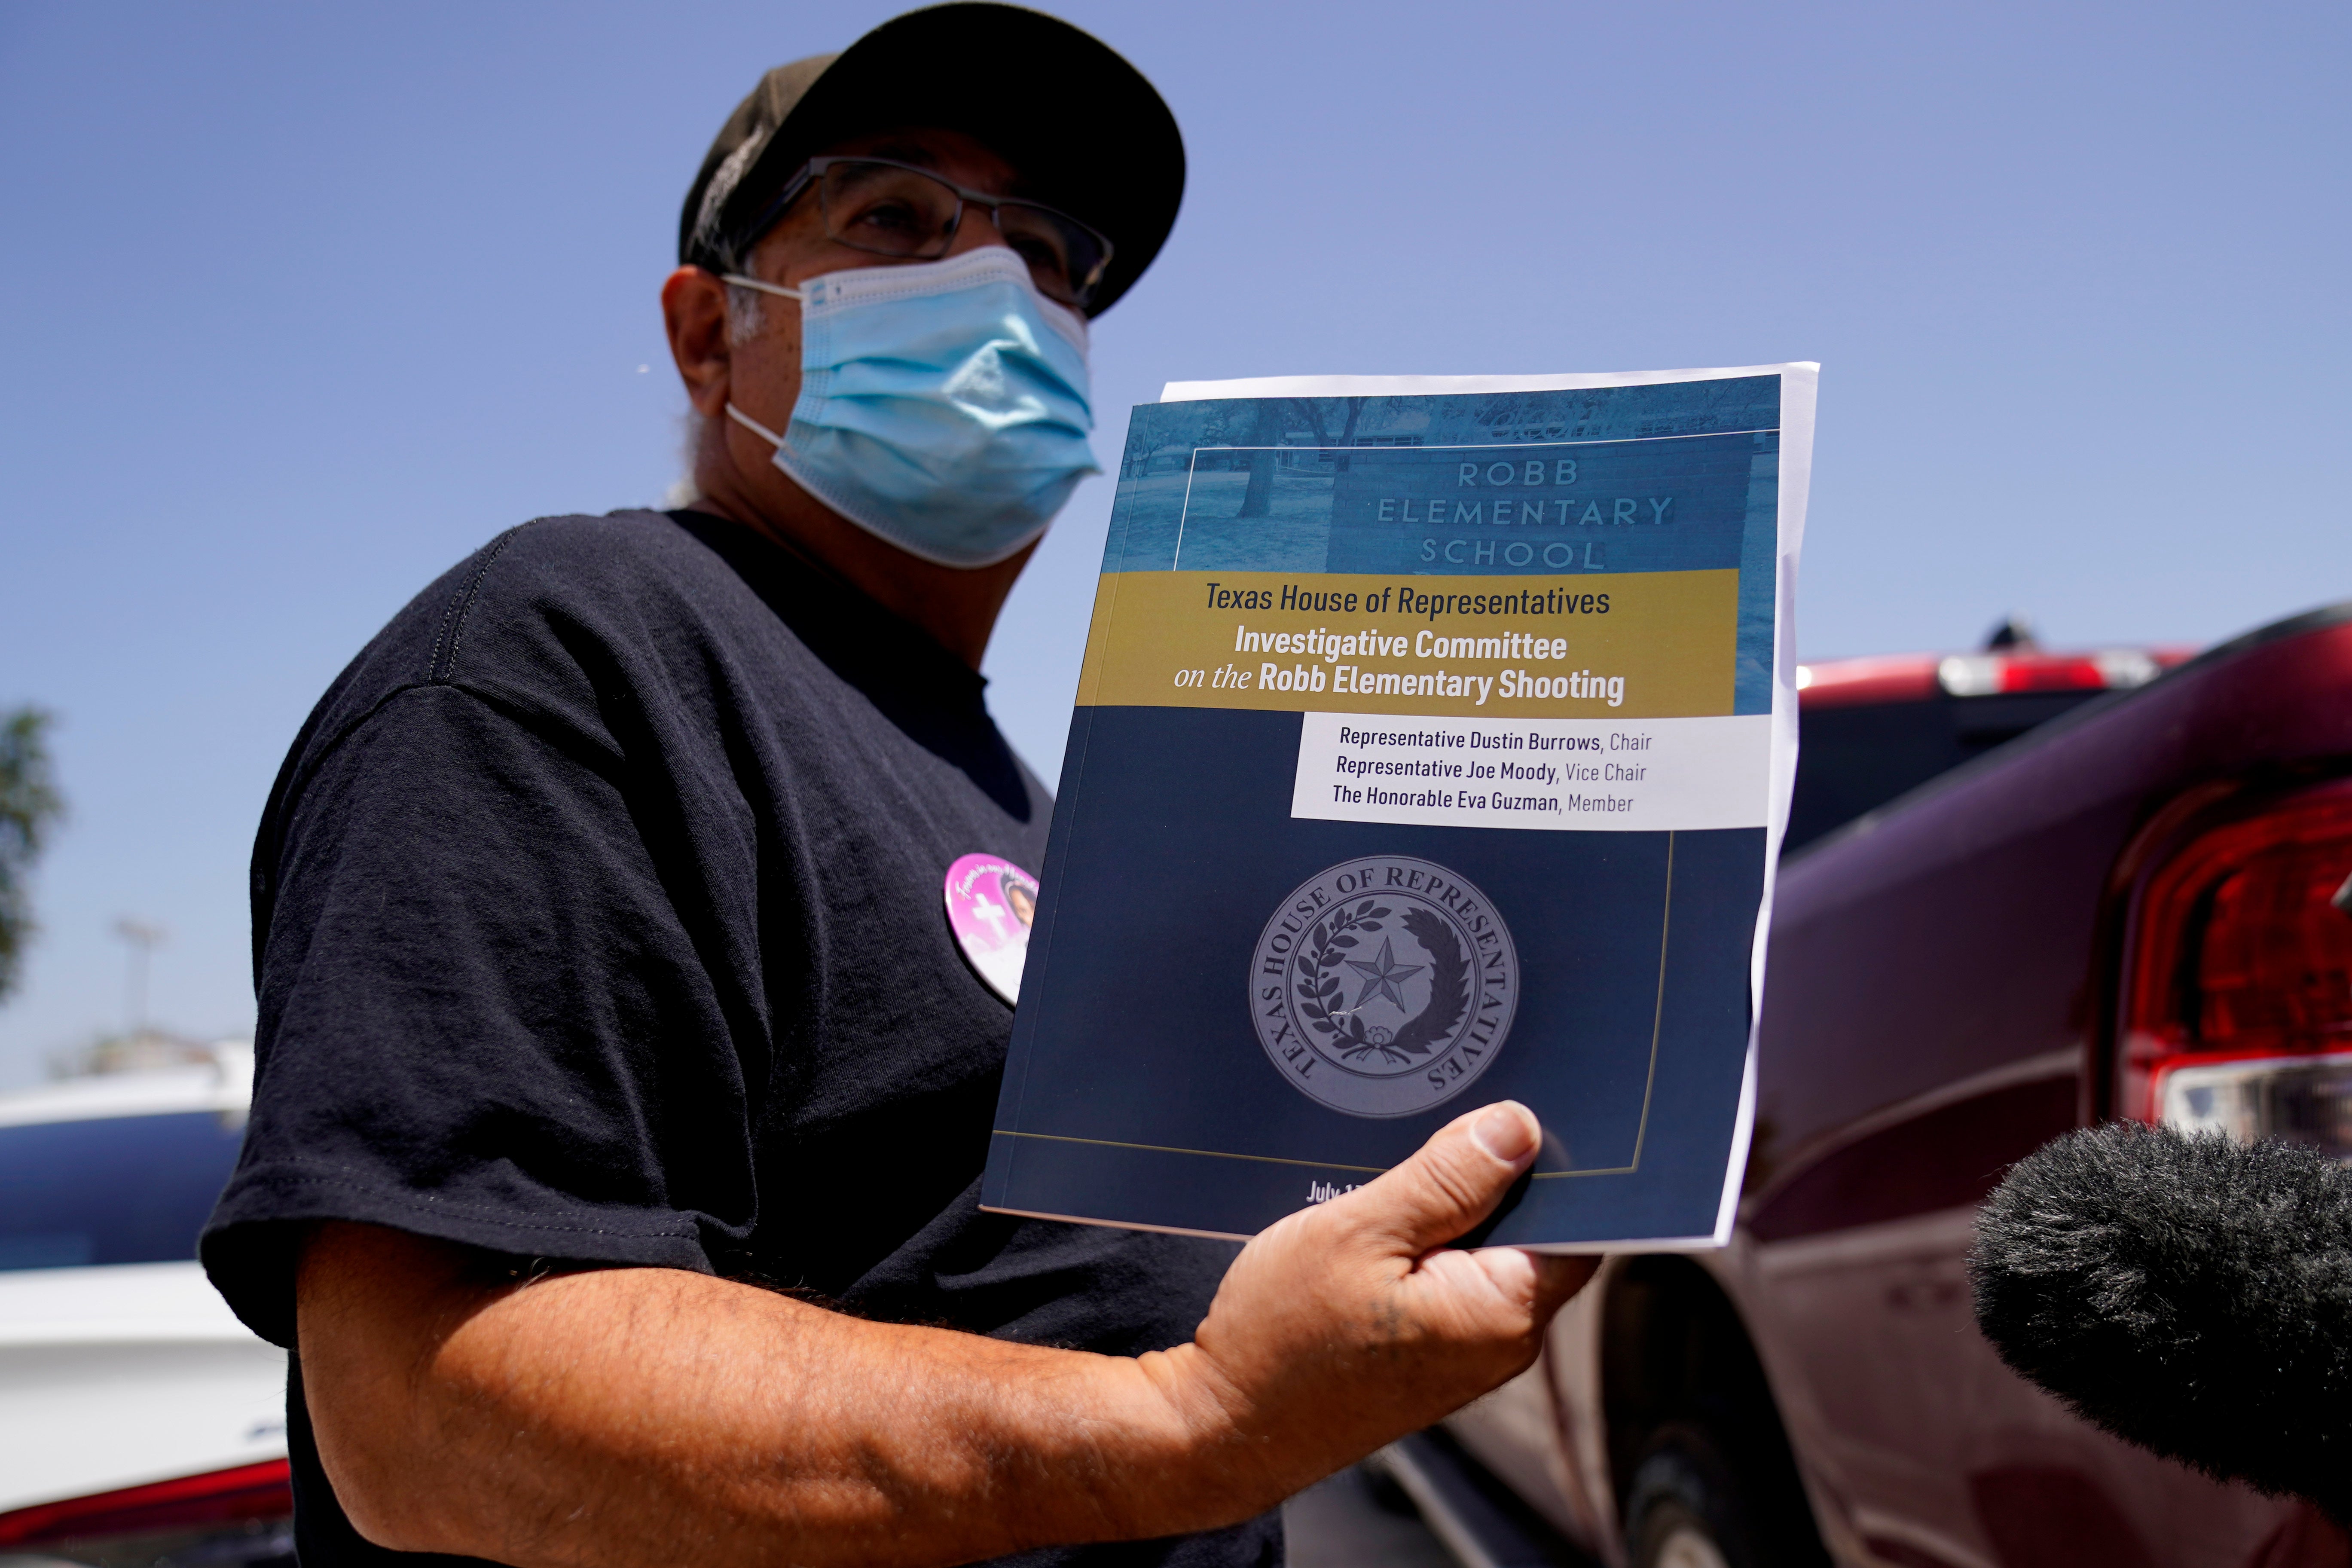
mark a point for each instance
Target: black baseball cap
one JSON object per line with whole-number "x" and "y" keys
{"x": 1087, "y": 131}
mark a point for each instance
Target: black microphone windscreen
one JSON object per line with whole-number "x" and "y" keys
{"x": 2192, "y": 1295}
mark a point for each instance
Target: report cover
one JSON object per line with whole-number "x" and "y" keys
{"x": 1432, "y": 747}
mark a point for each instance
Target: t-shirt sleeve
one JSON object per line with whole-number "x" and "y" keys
{"x": 487, "y": 1011}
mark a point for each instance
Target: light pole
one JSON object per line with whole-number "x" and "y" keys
{"x": 144, "y": 937}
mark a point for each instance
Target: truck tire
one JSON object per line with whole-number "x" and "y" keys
{"x": 1686, "y": 1509}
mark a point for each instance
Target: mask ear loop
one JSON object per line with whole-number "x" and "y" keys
{"x": 740, "y": 281}
{"x": 737, "y": 415}
{"x": 753, "y": 425}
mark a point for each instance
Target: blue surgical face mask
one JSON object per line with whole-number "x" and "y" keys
{"x": 943, "y": 405}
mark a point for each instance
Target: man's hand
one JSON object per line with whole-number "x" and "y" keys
{"x": 618, "y": 1416}
{"x": 1349, "y": 1324}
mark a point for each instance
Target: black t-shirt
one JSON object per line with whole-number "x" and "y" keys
{"x": 598, "y": 918}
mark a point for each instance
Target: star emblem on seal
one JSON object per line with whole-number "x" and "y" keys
{"x": 1381, "y": 977}
{"x": 1392, "y": 1030}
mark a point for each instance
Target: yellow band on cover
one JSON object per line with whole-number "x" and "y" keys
{"x": 1646, "y": 645}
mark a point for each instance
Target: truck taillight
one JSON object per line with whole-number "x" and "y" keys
{"x": 2238, "y": 998}
{"x": 222, "y": 1520}
{"x": 1993, "y": 674}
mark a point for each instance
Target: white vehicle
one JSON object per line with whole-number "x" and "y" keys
{"x": 139, "y": 1422}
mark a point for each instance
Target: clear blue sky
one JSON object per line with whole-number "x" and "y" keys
{"x": 306, "y": 301}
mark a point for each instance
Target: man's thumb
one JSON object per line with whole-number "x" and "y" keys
{"x": 1455, "y": 1179}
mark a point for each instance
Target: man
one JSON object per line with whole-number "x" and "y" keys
{"x": 613, "y": 1164}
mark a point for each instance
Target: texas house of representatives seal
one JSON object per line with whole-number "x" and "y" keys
{"x": 1384, "y": 985}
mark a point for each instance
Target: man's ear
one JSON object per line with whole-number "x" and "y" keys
{"x": 694, "y": 312}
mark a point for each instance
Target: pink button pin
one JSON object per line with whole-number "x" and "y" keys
{"x": 991, "y": 904}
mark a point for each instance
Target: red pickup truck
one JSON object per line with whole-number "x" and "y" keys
{"x": 2022, "y": 892}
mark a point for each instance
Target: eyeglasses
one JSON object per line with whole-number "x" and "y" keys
{"x": 888, "y": 209}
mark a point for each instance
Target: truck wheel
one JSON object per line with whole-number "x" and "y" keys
{"x": 1685, "y": 1510}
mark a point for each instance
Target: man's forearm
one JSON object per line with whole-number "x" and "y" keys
{"x": 627, "y": 1415}
{"x": 622, "y": 1415}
